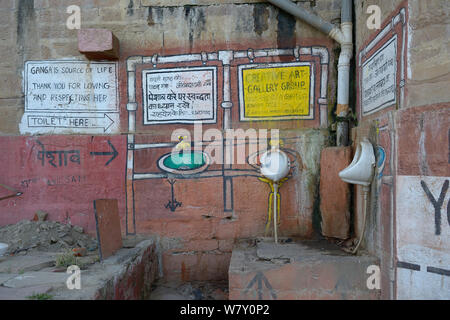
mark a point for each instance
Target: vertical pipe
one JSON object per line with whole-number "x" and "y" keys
{"x": 344, "y": 72}
{"x": 226, "y": 57}
{"x": 226, "y": 97}
{"x": 275, "y": 206}
{"x": 344, "y": 37}
{"x": 131, "y": 108}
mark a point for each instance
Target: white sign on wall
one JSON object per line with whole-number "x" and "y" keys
{"x": 180, "y": 95}
{"x": 378, "y": 79}
{"x": 423, "y": 237}
{"x": 70, "y": 97}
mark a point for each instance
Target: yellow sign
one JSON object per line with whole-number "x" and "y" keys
{"x": 275, "y": 92}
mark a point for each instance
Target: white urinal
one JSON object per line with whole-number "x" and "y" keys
{"x": 360, "y": 171}
{"x": 275, "y": 164}
{"x": 3, "y": 248}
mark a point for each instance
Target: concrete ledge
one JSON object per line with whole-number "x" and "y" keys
{"x": 98, "y": 44}
{"x": 308, "y": 270}
{"x": 127, "y": 275}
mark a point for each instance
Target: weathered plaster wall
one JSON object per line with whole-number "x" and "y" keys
{"x": 410, "y": 135}
{"x": 198, "y": 236}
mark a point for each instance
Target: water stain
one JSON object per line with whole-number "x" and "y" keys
{"x": 130, "y": 8}
{"x": 286, "y": 30}
{"x": 25, "y": 15}
{"x": 155, "y": 15}
{"x": 195, "y": 17}
{"x": 260, "y": 18}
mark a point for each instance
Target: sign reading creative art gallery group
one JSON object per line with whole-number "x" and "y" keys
{"x": 378, "y": 76}
{"x": 180, "y": 95}
{"x": 276, "y": 91}
{"x": 70, "y": 97}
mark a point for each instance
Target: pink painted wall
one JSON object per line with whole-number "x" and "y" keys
{"x": 63, "y": 190}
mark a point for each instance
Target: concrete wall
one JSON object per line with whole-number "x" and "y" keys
{"x": 214, "y": 211}
{"x": 411, "y": 136}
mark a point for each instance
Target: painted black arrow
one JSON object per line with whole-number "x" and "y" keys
{"x": 259, "y": 278}
{"x": 113, "y": 154}
{"x": 172, "y": 204}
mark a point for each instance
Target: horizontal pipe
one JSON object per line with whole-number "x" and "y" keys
{"x": 206, "y": 174}
{"x": 303, "y": 14}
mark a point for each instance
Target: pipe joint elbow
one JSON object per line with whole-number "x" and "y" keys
{"x": 343, "y": 35}
{"x": 337, "y": 35}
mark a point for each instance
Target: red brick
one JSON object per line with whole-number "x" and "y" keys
{"x": 195, "y": 266}
{"x": 226, "y": 245}
{"x": 194, "y": 229}
{"x": 200, "y": 245}
{"x": 334, "y": 193}
{"x": 98, "y": 44}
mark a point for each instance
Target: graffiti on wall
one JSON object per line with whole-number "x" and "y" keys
{"x": 50, "y": 156}
{"x": 180, "y": 95}
{"x": 257, "y": 283}
{"x": 58, "y": 174}
{"x": 276, "y": 91}
{"x": 176, "y": 90}
{"x": 60, "y": 158}
{"x": 423, "y": 257}
{"x": 437, "y": 203}
{"x": 70, "y": 97}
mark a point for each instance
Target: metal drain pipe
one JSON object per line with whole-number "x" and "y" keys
{"x": 344, "y": 37}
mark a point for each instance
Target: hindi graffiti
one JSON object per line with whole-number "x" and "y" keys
{"x": 180, "y": 95}
{"x": 379, "y": 86}
{"x": 276, "y": 91}
{"x": 69, "y": 97}
{"x": 50, "y": 156}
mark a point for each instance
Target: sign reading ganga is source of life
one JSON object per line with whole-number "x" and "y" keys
{"x": 378, "y": 79}
{"x": 70, "y": 97}
{"x": 180, "y": 95}
{"x": 276, "y": 91}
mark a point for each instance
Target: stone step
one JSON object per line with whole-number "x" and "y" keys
{"x": 22, "y": 293}
{"x": 31, "y": 279}
{"x": 306, "y": 270}
{"x": 30, "y": 262}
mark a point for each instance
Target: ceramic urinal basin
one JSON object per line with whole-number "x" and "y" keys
{"x": 275, "y": 164}
{"x": 3, "y": 248}
{"x": 360, "y": 171}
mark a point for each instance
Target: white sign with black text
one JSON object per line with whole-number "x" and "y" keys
{"x": 180, "y": 95}
{"x": 70, "y": 97}
{"x": 378, "y": 79}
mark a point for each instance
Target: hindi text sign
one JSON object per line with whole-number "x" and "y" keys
{"x": 180, "y": 95}
{"x": 378, "y": 79}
